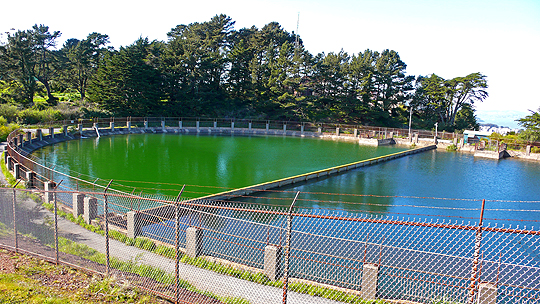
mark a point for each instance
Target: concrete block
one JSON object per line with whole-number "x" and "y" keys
{"x": 30, "y": 179}
{"x": 272, "y": 262}
{"x": 193, "y": 242}
{"x": 134, "y": 224}
{"x": 487, "y": 294}
{"x": 49, "y": 194}
{"x": 370, "y": 273}
{"x": 90, "y": 209}
{"x": 16, "y": 174}
{"x": 78, "y": 204}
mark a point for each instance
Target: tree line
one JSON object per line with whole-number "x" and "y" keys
{"x": 209, "y": 69}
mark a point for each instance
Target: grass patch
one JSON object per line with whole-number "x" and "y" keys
{"x": 9, "y": 177}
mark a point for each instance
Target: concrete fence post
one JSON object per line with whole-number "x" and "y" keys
{"x": 179, "y": 124}
{"x": 370, "y": 274}
{"x": 16, "y": 174}
{"x": 30, "y": 178}
{"x": 29, "y": 137}
{"x": 415, "y": 140}
{"x": 528, "y": 150}
{"x": 146, "y": 124}
{"x": 163, "y": 125}
{"x": 39, "y": 134}
{"x": 215, "y": 124}
{"x": 90, "y": 209}
{"x": 337, "y": 131}
{"x": 197, "y": 125}
{"x": 249, "y": 126}
{"x": 391, "y": 134}
{"x": 95, "y": 125}
{"x": 267, "y": 127}
{"x": 21, "y": 140}
{"x": 65, "y": 130}
{"x": 6, "y": 155}
{"x": 78, "y": 204}
{"x": 355, "y": 132}
{"x": 80, "y": 128}
{"x": 49, "y": 194}
{"x": 487, "y": 294}
{"x": 193, "y": 242}
{"x": 284, "y": 128}
{"x": 134, "y": 224}
{"x": 232, "y": 125}
{"x": 111, "y": 125}
{"x": 302, "y": 129}
{"x": 319, "y": 130}
{"x": 128, "y": 124}
{"x": 15, "y": 141}
{"x": 272, "y": 258}
{"x": 9, "y": 162}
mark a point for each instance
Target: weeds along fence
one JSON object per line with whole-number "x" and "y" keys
{"x": 232, "y": 123}
{"x": 180, "y": 249}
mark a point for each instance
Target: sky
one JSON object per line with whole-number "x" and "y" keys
{"x": 451, "y": 38}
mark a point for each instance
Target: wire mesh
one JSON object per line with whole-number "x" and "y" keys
{"x": 333, "y": 252}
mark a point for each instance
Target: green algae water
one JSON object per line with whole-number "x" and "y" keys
{"x": 161, "y": 163}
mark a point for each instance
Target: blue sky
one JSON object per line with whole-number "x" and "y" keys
{"x": 499, "y": 38}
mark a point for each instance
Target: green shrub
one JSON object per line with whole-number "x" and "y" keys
{"x": 535, "y": 149}
{"x": 165, "y": 251}
{"x": 9, "y": 112}
{"x": 451, "y": 148}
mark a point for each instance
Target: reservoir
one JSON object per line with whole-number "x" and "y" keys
{"x": 433, "y": 184}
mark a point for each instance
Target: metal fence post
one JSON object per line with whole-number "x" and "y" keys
{"x": 56, "y": 224}
{"x": 106, "y": 215}
{"x": 177, "y": 248}
{"x": 15, "y": 217}
{"x": 477, "y": 244}
{"x": 288, "y": 250}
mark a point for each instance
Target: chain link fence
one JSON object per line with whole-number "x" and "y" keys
{"x": 198, "y": 251}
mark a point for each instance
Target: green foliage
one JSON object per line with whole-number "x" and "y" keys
{"x": 531, "y": 123}
{"x": 9, "y": 112}
{"x": 451, "y": 148}
{"x": 34, "y": 116}
{"x": 9, "y": 177}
